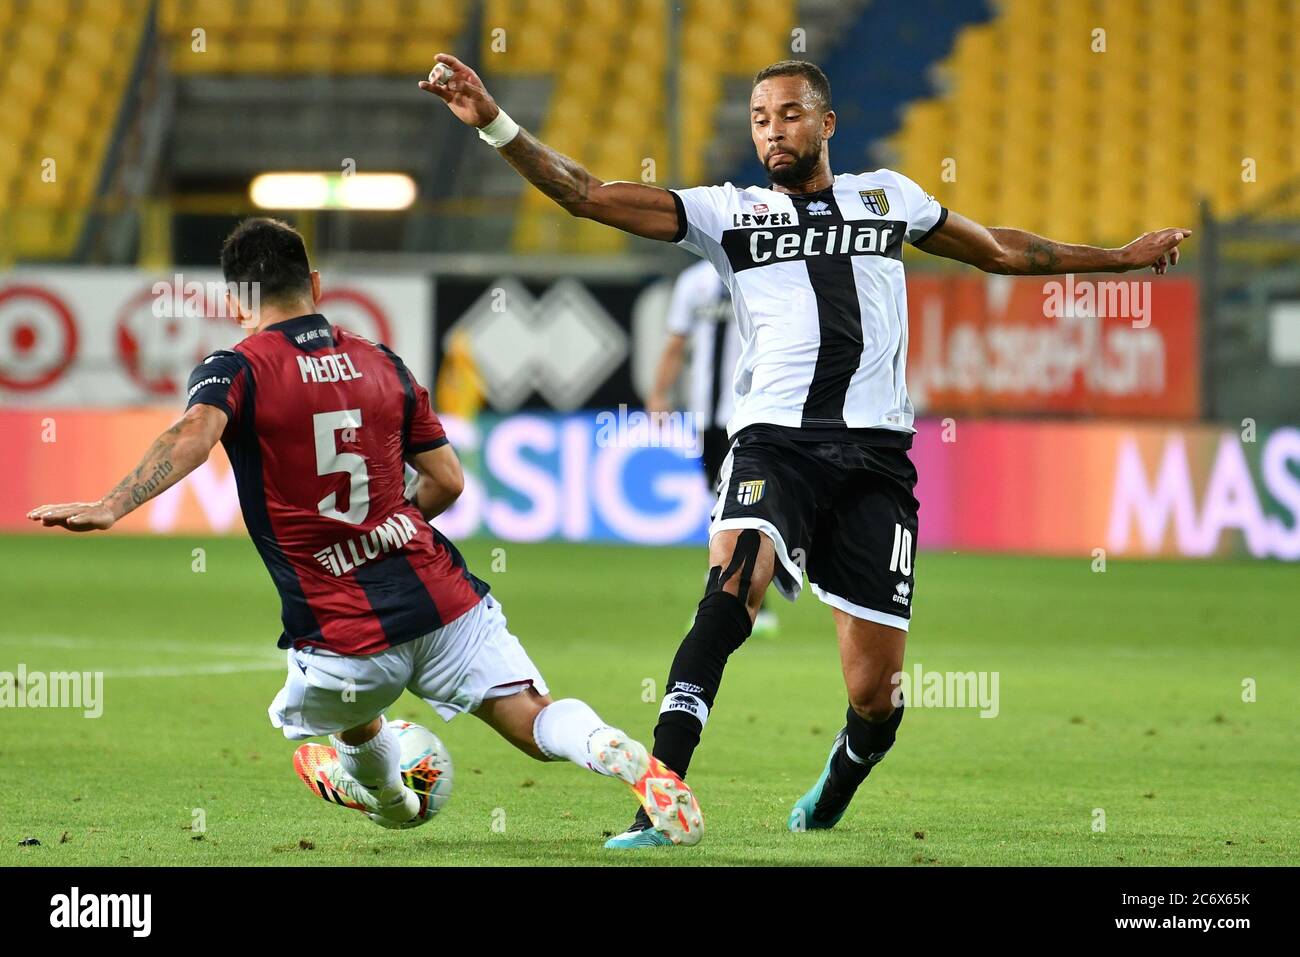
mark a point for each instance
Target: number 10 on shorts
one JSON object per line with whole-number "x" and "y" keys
{"x": 901, "y": 560}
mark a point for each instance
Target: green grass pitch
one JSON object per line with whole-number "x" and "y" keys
{"x": 1119, "y": 691}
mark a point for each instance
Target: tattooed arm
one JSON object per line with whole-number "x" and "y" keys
{"x": 634, "y": 207}
{"x": 1018, "y": 253}
{"x": 174, "y": 454}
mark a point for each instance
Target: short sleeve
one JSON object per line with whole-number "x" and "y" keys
{"x": 924, "y": 212}
{"x": 702, "y": 216}
{"x": 217, "y": 380}
{"x": 426, "y": 431}
{"x": 422, "y": 430}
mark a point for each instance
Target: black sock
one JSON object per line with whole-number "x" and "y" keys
{"x": 721, "y": 626}
{"x": 870, "y": 740}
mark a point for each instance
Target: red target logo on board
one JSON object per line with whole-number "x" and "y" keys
{"x": 161, "y": 336}
{"x": 159, "y": 347}
{"x": 38, "y": 338}
{"x": 357, "y": 313}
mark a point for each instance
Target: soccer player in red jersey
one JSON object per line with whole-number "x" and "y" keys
{"x": 319, "y": 426}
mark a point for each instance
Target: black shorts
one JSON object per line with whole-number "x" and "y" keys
{"x": 838, "y": 507}
{"x": 716, "y": 446}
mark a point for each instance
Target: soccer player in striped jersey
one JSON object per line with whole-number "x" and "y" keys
{"x": 319, "y": 426}
{"x": 700, "y": 318}
{"x": 818, "y": 479}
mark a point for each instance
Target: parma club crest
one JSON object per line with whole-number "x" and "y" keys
{"x": 875, "y": 200}
{"x": 749, "y": 493}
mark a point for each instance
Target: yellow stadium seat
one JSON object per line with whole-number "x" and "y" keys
{"x": 172, "y": 18}
{"x": 15, "y": 124}
{"x": 268, "y": 17}
{"x": 602, "y": 17}
{"x": 213, "y": 14}
{"x": 366, "y": 53}
{"x": 382, "y": 16}
{"x": 595, "y": 238}
{"x": 49, "y": 14}
{"x": 529, "y": 48}
{"x": 445, "y": 16}
{"x": 650, "y": 16}
{"x": 26, "y": 80}
{"x": 36, "y": 41}
{"x": 333, "y": 16}
{"x": 702, "y": 51}
{"x": 314, "y": 52}
{"x": 756, "y": 46}
{"x": 637, "y": 79}
{"x": 89, "y": 45}
{"x": 577, "y": 77}
{"x": 718, "y": 15}
{"x": 259, "y": 53}
{"x": 130, "y": 13}
{"x": 414, "y": 55}
{"x": 544, "y": 14}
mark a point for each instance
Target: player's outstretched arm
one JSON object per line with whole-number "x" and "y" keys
{"x": 1015, "y": 252}
{"x": 634, "y": 207}
{"x": 174, "y": 454}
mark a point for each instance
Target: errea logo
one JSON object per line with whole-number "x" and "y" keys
{"x": 818, "y": 208}
{"x": 902, "y": 589}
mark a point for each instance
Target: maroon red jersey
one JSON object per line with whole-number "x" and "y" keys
{"x": 320, "y": 424}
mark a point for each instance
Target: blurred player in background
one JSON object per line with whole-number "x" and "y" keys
{"x": 818, "y": 478}
{"x": 319, "y": 426}
{"x": 700, "y": 319}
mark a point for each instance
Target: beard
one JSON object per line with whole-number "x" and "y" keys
{"x": 798, "y": 170}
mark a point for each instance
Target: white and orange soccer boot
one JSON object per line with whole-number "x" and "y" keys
{"x": 318, "y": 767}
{"x": 667, "y": 800}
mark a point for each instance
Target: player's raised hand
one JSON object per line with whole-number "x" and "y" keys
{"x": 1158, "y": 249}
{"x": 75, "y": 516}
{"x": 462, "y": 91}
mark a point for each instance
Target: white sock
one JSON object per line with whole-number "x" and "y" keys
{"x": 564, "y": 729}
{"x": 374, "y": 764}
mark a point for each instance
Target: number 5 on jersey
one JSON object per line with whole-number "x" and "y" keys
{"x": 330, "y": 461}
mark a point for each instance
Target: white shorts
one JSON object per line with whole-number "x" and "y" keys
{"x": 454, "y": 668}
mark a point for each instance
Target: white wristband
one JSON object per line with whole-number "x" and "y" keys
{"x": 500, "y": 131}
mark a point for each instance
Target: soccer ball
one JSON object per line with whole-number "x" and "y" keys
{"x": 426, "y": 770}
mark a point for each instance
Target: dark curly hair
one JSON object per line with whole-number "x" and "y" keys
{"x": 271, "y": 253}
{"x": 809, "y": 71}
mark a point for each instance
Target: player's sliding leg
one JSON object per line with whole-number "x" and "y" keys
{"x": 361, "y": 771}
{"x": 569, "y": 729}
{"x": 742, "y": 562}
{"x": 871, "y": 655}
{"x": 344, "y": 697}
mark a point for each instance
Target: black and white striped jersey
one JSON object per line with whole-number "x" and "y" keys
{"x": 700, "y": 308}
{"x": 817, "y": 289}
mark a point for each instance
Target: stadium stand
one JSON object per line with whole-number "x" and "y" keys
{"x": 67, "y": 65}
{"x": 616, "y": 133}
{"x": 1059, "y": 139}
{"x": 309, "y": 36}
{"x": 1054, "y": 135}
